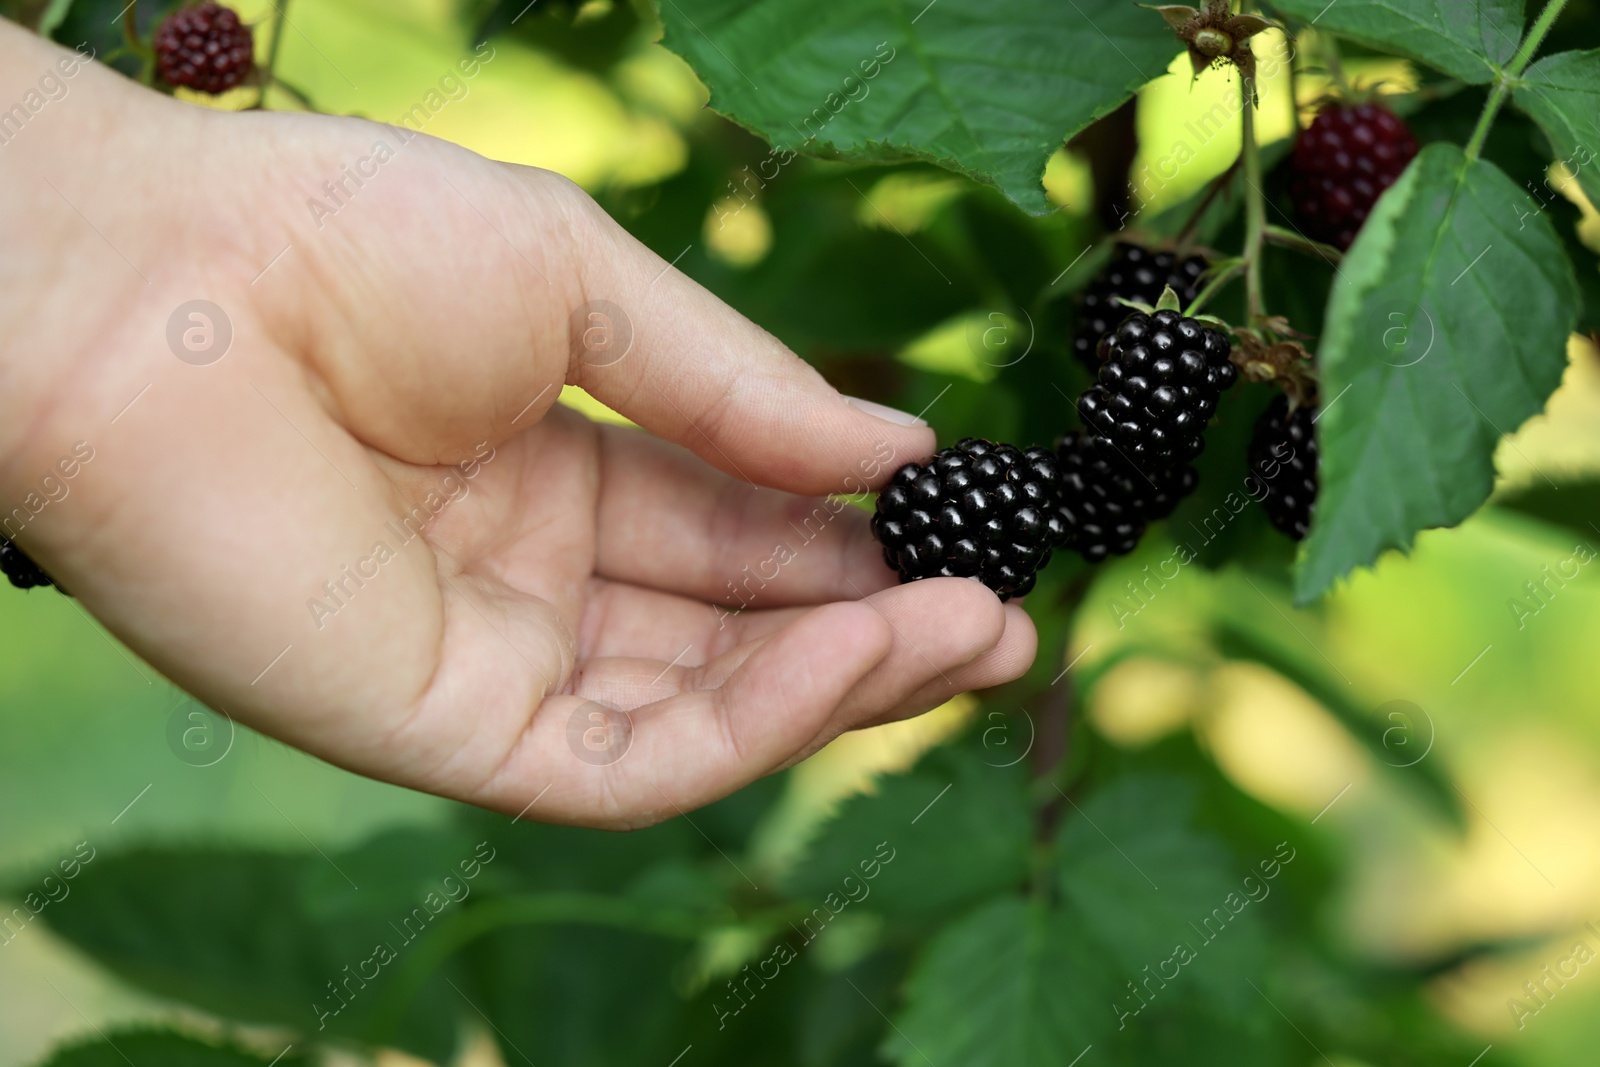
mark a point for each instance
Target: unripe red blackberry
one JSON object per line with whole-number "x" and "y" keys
{"x": 1283, "y": 454}
{"x": 1341, "y": 164}
{"x": 976, "y": 510}
{"x": 1160, "y": 378}
{"x": 1135, "y": 273}
{"x": 20, "y": 569}
{"x": 204, "y": 47}
{"x": 1105, "y": 503}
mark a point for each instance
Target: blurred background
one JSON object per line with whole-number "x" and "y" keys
{"x": 1452, "y": 661}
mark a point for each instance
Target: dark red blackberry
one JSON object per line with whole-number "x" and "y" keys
{"x": 1340, "y": 166}
{"x": 1160, "y": 378}
{"x": 19, "y": 568}
{"x": 1134, "y": 273}
{"x": 977, "y": 510}
{"x": 1105, "y": 503}
{"x": 1283, "y": 454}
{"x": 204, "y": 47}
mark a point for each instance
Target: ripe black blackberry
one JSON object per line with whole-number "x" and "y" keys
{"x": 1134, "y": 273}
{"x": 19, "y": 568}
{"x": 204, "y": 47}
{"x": 1105, "y": 504}
{"x": 1341, "y": 164}
{"x": 1160, "y": 378}
{"x": 1283, "y": 454}
{"x": 976, "y": 510}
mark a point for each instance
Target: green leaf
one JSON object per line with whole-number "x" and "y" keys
{"x": 954, "y": 830}
{"x": 1562, "y": 94}
{"x": 268, "y": 937}
{"x": 167, "y": 1048}
{"x": 987, "y": 88}
{"x": 1012, "y": 985}
{"x": 1446, "y": 328}
{"x": 580, "y": 995}
{"x": 1470, "y": 39}
{"x": 1019, "y": 983}
{"x": 52, "y": 17}
{"x": 1142, "y": 880}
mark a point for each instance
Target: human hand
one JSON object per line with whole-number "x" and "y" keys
{"x": 405, "y": 352}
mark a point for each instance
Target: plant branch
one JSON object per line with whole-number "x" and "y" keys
{"x": 1508, "y": 77}
{"x": 269, "y": 77}
{"x": 1193, "y": 222}
{"x": 1255, "y": 206}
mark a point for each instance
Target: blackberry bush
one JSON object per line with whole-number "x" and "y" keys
{"x": 976, "y": 510}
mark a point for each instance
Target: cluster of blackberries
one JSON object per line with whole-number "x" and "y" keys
{"x": 976, "y": 510}
{"x": 1283, "y": 455}
{"x": 20, "y": 570}
{"x": 205, "y": 47}
{"x": 1135, "y": 273}
{"x": 1341, "y": 164}
{"x": 1160, "y": 378}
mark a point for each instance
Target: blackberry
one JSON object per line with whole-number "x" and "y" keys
{"x": 1134, "y": 273}
{"x": 19, "y": 569}
{"x": 1283, "y": 454}
{"x": 1105, "y": 503}
{"x": 204, "y": 47}
{"x": 1340, "y": 166}
{"x": 1160, "y": 378}
{"x": 978, "y": 510}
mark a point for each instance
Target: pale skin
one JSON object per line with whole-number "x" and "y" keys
{"x": 424, "y": 324}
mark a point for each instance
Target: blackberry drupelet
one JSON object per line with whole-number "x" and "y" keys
{"x": 19, "y": 568}
{"x": 1105, "y": 503}
{"x": 1283, "y": 454}
{"x": 977, "y": 510}
{"x": 204, "y": 47}
{"x": 1134, "y": 273}
{"x": 1341, "y": 164}
{"x": 1159, "y": 383}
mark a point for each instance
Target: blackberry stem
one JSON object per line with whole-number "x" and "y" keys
{"x": 269, "y": 77}
{"x": 1255, "y": 205}
{"x": 1301, "y": 243}
{"x": 1224, "y": 276}
{"x": 1513, "y": 70}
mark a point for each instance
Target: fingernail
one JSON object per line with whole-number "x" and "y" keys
{"x": 884, "y": 412}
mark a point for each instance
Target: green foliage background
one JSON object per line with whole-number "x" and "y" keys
{"x": 1426, "y": 858}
